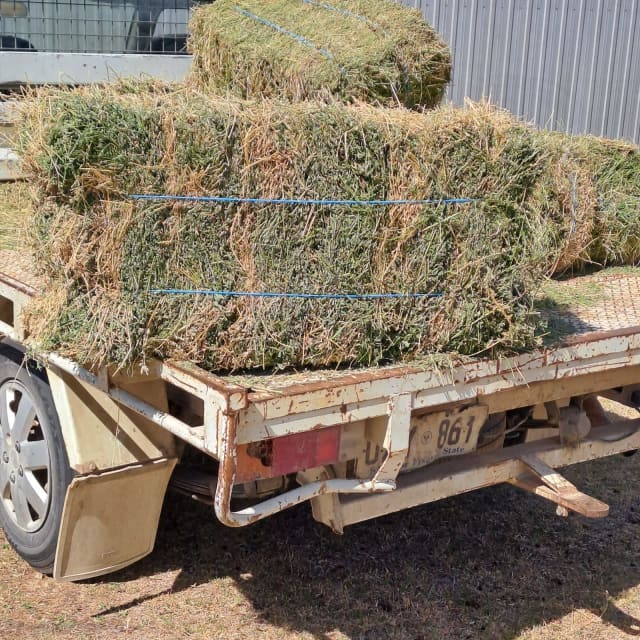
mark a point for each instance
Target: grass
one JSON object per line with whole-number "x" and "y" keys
{"x": 554, "y": 295}
{"x": 15, "y": 209}
{"x": 492, "y": 565}
{"x": 371, "y": 50}
{"x": 583, "y": 290}
{"x": 563, "y": 300}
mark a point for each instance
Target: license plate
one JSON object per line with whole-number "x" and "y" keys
{"x": 444, "y": 434}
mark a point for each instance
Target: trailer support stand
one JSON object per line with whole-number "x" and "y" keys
{"x": 541, "y": 480}
{"x": 396, "y": 439}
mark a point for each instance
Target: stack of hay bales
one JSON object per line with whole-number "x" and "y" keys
{"x": 105, "y": 254}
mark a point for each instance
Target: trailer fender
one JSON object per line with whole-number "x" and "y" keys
{"x": 110, "y": 519}
{"x": 100, "y": 434}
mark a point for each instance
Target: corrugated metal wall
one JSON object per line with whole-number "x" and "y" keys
{"x": 571, "y": 65}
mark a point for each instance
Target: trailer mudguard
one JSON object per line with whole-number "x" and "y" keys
{"x": 100, "y": 434}
{"x": 110, "y": 519}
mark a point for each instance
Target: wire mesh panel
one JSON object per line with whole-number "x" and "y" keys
{"x": 95, "y": 26}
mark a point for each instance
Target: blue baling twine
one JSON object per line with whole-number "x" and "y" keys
{"x": 302, "y": 201}
{"x": 293, "y": 201}
{"x": 302, "y": 296}
{"x": 291, "y": 34}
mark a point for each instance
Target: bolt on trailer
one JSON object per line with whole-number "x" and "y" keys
{"x": 87, "y": 456}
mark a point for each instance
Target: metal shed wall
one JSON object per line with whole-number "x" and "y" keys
{"x": 570, "y": 65}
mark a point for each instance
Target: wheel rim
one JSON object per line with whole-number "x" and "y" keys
{"x": 25, "y": 463}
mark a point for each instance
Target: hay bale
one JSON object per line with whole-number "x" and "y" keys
{"x": 104, "y": 252}
{"x": 14, "y": 211}
{"x": 591, "y": 190}
{"x": 369, "y": 50}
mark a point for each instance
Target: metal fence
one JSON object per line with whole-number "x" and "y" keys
{"x": 94, "y": 26}
{"x": 571, "y": 65}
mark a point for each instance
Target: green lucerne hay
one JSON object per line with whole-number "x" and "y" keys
{"x": 104, "y": 252}
{"x": 536, "y": 213}
{"x": 592, "y": 190}
{"x": 367, "y": 50}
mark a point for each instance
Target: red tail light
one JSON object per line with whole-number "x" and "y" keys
{"x": 288, "y": 454}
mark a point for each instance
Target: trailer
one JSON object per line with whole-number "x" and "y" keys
{"x": 47, "y": 42}
{"x": 87, "y": 456}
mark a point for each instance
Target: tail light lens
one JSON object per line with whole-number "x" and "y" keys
{"x": 288, "y": 454}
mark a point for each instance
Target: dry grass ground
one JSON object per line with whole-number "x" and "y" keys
{"x": 489, "y": 565}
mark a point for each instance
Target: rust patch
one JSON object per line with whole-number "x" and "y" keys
{"x": 596, "y": 336}
{"x": 254, "y": 461}
{"x": 333, "y": 386}
{"x": 17, "y": 285}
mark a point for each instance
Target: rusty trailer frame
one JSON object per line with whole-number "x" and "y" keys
{"x": 228, "y": 414}
{"x": 235, "y": 415}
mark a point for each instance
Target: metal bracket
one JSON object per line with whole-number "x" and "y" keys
{"x": 396, "y": 439}
{"x": 326, "y": 506}
{"x": 542, "y": 480}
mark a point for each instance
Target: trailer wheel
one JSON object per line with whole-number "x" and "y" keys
{"x": 34, "y": 468}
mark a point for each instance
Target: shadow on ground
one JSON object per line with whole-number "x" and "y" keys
{"x": 484, "y": 565}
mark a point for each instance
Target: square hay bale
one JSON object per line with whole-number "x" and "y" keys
{"x": 369, "y": 50}
{"x": 104, "y": 253}
{"x": 592, "y": 190}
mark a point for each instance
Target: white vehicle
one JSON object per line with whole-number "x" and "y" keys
{"x": 86, "y": 456}
{"x": 94, "y": 26}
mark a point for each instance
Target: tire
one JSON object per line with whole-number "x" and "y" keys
{"x": 34, "y": 468}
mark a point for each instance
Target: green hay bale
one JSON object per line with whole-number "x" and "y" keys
{"x": 104, "y": 252}
{"x": 369, "y": 50}
{"x": 591, "y": 190}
